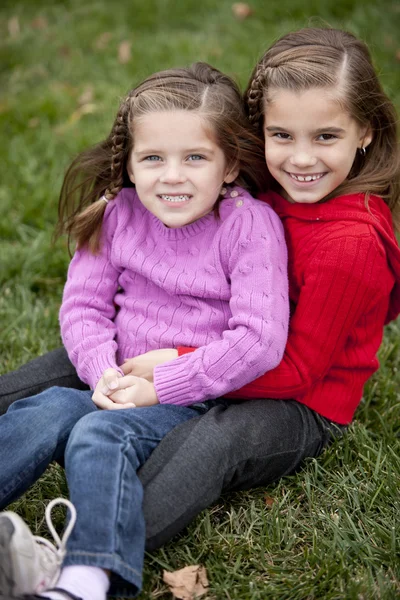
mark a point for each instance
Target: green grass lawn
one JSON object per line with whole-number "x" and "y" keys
{"x": 330, "y": 532}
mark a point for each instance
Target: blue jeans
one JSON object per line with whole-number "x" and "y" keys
{"x": 102, "y": 452}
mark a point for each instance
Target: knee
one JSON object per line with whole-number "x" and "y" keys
{"x": 93, "y": 432}
{"x": 56, "y": 406}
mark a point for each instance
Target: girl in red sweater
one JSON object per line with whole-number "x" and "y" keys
{"x": 331, "y": 148}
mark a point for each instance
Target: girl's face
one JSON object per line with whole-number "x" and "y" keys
{"x": 176, "y": 166}
{"x": 310, "y": 142}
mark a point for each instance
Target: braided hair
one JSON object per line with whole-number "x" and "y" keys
{"x": 321, "y": 58}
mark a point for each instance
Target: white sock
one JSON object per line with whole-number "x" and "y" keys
{"x": 88, "y": 583}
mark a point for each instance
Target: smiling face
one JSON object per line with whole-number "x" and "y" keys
{"x": 176, "y": 166}
{"x": 310, "y": 142}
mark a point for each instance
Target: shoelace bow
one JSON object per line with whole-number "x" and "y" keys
{"x": 54, "y": 553}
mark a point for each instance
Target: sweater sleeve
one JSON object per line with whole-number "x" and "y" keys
{"x": 87, "y": 310}
{"x": 257, "y": 330}
{"x": 343, "y": 281}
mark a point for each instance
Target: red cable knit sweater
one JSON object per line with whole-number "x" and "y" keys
{"x": 344, "y": 278}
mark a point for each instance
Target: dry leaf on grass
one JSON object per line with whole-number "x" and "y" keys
{"x": 269, "y": 500}
{"x": 188, "y": 583}
{"x": 85, "y": 109}
{"x": 87, "y": 96}
{"x": 241, "y": 10}
{"x": 39, "y": 23}
{"x": 13, "y": 27}
{"x": 124, "y": 52}
{"x": 102, "y": 41}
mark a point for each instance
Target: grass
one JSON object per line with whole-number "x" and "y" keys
{"x": 329, "y": 532}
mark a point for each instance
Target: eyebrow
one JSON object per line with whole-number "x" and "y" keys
{"x": 199, "y": 150}
{"x": 276, "y": 129}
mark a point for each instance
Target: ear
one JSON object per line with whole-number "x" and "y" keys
{"x": 130, "y": 170}
{"x": 366, "y": 137}
{"x": 231, "y": 175}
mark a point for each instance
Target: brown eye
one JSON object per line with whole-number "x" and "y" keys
{"x": 326, "y": 137}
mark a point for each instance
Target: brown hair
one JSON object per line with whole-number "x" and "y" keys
{"x": 102, "y": 170}
{"x": 318, "y": 57}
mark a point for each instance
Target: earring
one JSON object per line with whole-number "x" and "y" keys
{"x": 362, "y": 151}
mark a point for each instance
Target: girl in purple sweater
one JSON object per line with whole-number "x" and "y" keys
{"x": 171, "y": 251}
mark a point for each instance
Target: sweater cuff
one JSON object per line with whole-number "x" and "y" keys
{"x": 92, "y": 371}
{"x": 173, "y": 384}
{"x": 182, "y": 350}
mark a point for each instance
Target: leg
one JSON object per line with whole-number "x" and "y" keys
{"x": 103, "y": 454}
{"x": 33, "y": 433}
{"x": 233, "y": 446}
{"x": 51, "y": 369}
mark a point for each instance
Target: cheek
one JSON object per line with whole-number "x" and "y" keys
{"x": 273, "y": 155}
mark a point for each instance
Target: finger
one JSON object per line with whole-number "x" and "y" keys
{"x": 128, "y": 381}
{"x": 110, "y": 379}
{"x": 121, "y": 397}
{"x": 117, "y": 406}
{"x": 126, "y": 367}
{"x": 102, "y": 401}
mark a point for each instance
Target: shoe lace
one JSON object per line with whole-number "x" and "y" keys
{"x": 53, "y": 554}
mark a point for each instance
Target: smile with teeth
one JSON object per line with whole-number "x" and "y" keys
{"x": 181, "y": 198}
{"x": 306, "y": 177}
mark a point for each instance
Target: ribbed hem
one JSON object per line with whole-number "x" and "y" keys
{"x": 174, "y": 385}
{"x": 93, "y": 370}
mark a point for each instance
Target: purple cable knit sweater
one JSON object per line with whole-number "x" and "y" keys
{"x": 218, "y": 284}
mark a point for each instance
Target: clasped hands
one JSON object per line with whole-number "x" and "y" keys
{"x": 135, "y": 387}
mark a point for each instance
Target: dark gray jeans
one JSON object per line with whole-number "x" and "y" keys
{"x": 234, "y": 446}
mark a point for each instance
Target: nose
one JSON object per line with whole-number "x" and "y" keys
{"x": 303, "y": 157}
{"x": 173, "y": 173}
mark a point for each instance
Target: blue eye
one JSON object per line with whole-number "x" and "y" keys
{"x": 152, "y": 158}
{"x": 196, "y": 157}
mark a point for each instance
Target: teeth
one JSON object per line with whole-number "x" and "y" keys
{"x": 174, "y": 198}
{"x": 307, "y": 177}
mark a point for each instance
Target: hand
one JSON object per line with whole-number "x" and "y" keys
{"x": 135, "y": 391}
{"x": 109, "y": 382}
{"x": 143, "y": 365}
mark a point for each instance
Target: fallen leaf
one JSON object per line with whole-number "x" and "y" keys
{"x": 102, "y": 41}
{"x": 124, "y": 52}
{"x": 39, "y": 23}
{"x": 216, "y": 51}
{"x": 87, "y": 96}
{"x": 388, "y": 41}
{"x": 335, "y": 517}
{"x": 241, "y": 10}
{"x": 64, "y": 51}
{"x": 188, "y": 583}
{"x": 269, "y": 500}
{"x": 85, "y": 109}
{"x": 13, "y": 27}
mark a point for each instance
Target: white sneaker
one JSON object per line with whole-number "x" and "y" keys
{"x": 30, "y": 564}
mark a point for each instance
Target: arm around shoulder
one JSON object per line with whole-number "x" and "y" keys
{"x": 346, "y": 282}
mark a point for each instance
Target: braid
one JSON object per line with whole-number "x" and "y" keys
{"x": 254, "y": 96}
{"x": 120, "y": 136}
